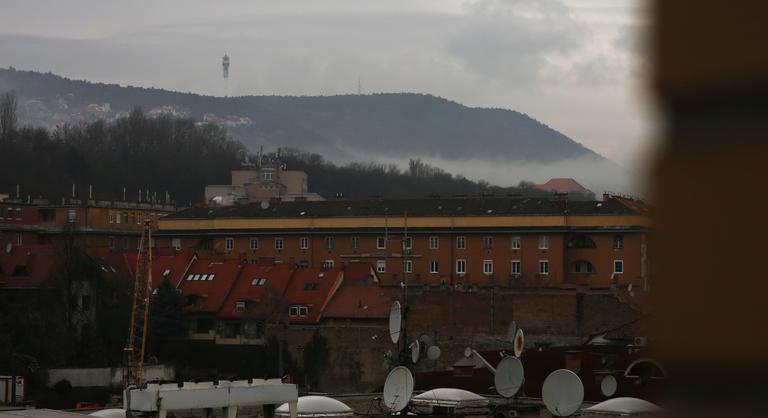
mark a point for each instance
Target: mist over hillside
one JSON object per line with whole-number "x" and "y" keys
{"x": 501, "y": 146}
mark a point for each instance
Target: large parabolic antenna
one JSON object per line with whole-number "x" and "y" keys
{"x": 509, "y": 377}
{"x": 608, "y": 386}
{"x": 398, "y": 389}
{"x": 433, "y": 352}
{"x": 395, "y": 321}
{"x": 562, "y": 392}
{"x": 415, "y": 351}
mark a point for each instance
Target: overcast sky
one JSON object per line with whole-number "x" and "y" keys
{"x": 576, "y": 65}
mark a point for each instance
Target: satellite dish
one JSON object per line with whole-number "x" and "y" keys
{"x": 395, "y": 321}
{"x": 426, "y": 341}
{"x": 468, "y": 352}
{"x": 562, "y": 392}
{"x": 109, "y": 413}
{"x": 512, "y": 332}
{"x": 608, "y": 386}
{"x": 8, "y": 248}
{"x": 398, "y": 389}
{"x": 509, "y": 376}
{"x": 264, "y": 204}
{"x": 519, "y": 342}
{"x": 433, "y": 353}
{"x": 415, "y": 351}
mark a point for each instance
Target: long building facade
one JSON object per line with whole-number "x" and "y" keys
{"x": 454, "y": 242}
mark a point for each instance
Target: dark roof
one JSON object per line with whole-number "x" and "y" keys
{"x": 457, "y": 206}
{"x": 562, "y": 185}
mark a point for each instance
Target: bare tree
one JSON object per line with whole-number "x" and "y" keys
{"x": 8, "y": 117}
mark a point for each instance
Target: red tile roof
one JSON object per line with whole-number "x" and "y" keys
{"x": 563, "y": 185}
{"x": 361, "y": 298}
{"x": 176, "y": 265}
{"x": 313, "y": 288}
{"x": 210, "y": 282}
{"x": 262, "y": 289}
{"x": 27, "y": 267}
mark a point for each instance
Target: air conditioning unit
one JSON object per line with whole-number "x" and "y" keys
{"x": 640, "y": 342}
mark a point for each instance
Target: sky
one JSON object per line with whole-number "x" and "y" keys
{"x": 577, "y": 65}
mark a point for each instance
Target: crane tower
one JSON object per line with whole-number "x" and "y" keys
{"x": 225, "y": 65}
{"x": 137, "y": 333}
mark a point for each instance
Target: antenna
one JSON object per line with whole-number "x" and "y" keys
{"x": 608, "y": 386}
{"x": 509, "y": 377}
{"x": 395, "y": 321}
{"x": 562, "y": 392}
{"x": 398, "y": 389}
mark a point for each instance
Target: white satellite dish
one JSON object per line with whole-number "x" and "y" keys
{"x": 468, "y": 352}
{"x": 426, "y": 341}
{"x": 608, "y": 386}
{"x": 519, "y": 342}
{"x": 433, "y": 353}
{"x": 415, "y": 351}
{"x": 562, "y": 392}
{"x": 395, "y": 321}
{"x": 8, "y": 248}
{"x": 264, "y": 204}
{"x": 511, "y": 332}
{"x": 398, "y": 389}
{"x": 509, "y": 376}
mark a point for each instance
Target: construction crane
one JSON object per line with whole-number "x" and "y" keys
{"x": 133, "y": 374}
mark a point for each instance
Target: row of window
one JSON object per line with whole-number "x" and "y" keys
{"x": 118, "y": 217}
{"x": 381, "y": 243}
{"x": 7, "y": 213}
{"x": 461, "y": 266}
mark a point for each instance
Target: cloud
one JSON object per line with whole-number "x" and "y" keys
{"x": 523, "y": 42}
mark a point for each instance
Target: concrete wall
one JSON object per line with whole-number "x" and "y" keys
{"x": 105, "y": 377}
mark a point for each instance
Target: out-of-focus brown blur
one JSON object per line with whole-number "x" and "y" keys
{"x": 711, "y": 81}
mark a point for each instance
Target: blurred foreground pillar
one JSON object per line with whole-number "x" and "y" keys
{"x": 711, "y": 187}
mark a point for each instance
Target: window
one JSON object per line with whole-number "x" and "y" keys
{"x": 176, "y": 243}
{"x": 240, "y": 306}
{"x": 581, "y": 241}
{"x": 461, "y": 266}
{"x": 125, "y": 243}
{"x": 433, "y": 266}
{"x": 303, "y": 243}
{"x": 329, "y": 243}
{"x": 254, "y": 244}
{"x": 381, "y": 266}
{"x": 618, "y": 266}
{"x": 138, "y": 219}
{"x": 515, "y": 243}
{"x": 582, "y": 267}
{"x": 434, "y": 242}
{"x": 298, "y": 310}
{"x": 229, "y": 244}
{"x": 328, "y": 264}
{"x": 355, "y": 243}
{"x": 310, "y": 286}
{"x": 111, "y": 242}
{"x": 516, "y": 267}
{"x": 543, "y": 242}
{"x": 543, "y": 267}
{"x": 381, "y": 243}
{"x": 258, "y": 281}
{"x": 279, "y": 243}
{"x": 268, "y": 175}
{"x": 487, "y": 243}
{"x": 409, "y": 266}
{"x": 117, "y": 217}
{"x": 618, "y": 242}
{"x": 407, "y": 243}
{"x": 18, "y": 214}
{"x": 205, "y": 244}
{"x": 487, "y": 266}
{"x": 461, "y": 243}
{"x": 19, "y": 238}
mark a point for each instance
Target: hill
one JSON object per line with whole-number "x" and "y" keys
{"x": 382, "y": 127}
